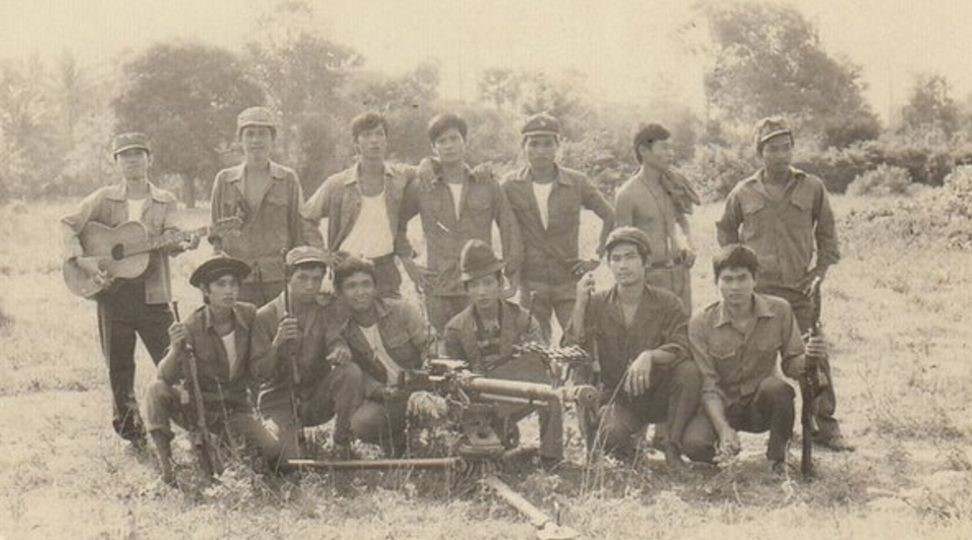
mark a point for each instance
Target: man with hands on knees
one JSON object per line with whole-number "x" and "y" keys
{"x": 736, "y": 342}
{"x": 637, "y": 332}
{"x": 305, "y": 337}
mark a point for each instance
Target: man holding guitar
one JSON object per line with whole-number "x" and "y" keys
{"x": 127, "y": 306}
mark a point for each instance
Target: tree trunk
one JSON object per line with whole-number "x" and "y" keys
{"x": 189, "y": 191}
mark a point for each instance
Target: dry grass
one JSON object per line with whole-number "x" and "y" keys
{"x": 897, "y": 314}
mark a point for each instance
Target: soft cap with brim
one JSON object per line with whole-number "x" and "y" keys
{"x": 477, "y": 260}
{"x": 215, "y": 268}
{"x": 306, "y": 254}
{"x": 127, "y": 141}
{"x": 255, "y": 116}
{"x": 631, "y": 235}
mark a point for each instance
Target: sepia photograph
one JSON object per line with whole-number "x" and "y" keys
{"x": 541, "y": 270}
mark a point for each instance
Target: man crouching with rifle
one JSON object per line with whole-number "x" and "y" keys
{"x": 210, "y": 353}
{"x": 736, "y": 342}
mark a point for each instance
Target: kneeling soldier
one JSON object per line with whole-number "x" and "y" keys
{"x": 386, "y": 336}
{"x": 483, "y": 334}
{"x": 736, "y": 342}
{"x": 305, "y": 365}
{"x": 218, "y": 335}
{"x": 637, "y": 333}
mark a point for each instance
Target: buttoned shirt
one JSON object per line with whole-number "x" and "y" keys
{"x": 786, "y": 234}
{"x": 643, "y": 203}
{"x": 320, "y": 333}
{"x": 732, "y": 360}
{"x": 483, "y": 203}
{"x": 269, "y": 230}
{"x": 109, "y": 206}
{"x": 218, "y": 380}
{"x": 404, "y": 335}
{"x": 465, "y": 339}
{"x": 339, "y": 200}
{"x": 659, "y": 323}
{"x": 550, "y": 251}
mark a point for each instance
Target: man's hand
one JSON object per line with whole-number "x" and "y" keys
{"x": 287, "y": 330}
{"x": 340, "y": 355}
{"x": 483, "y": 172}
{"x": 513, "y": 285}
{"x": 729, "y": 443}
{"x": 585, "y": 288}
{"x": 428, "y": 169}
{"x": 818, "y": 272}
{"x": 90, "y": 266}
{"x": 817, "y": 347}
{"x": 638, "y": 377}
{"x": 688, "y": 257}
{"x": 422, "y": 277}
{"x": 582, "y": 267}
{"x": 178, "y": 334}
{"x": 186, "y": 245}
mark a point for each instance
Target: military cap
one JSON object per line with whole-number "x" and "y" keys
{"x": 255, "y": 116}
{"x": 127, "y": 141}
{"x": 477, "y": 260}
{"x": 541, "y": 124}
{"x": 631, "y": 235}
{"x": 770, "y": 127}
{"x": 306, "y": 254}
{"x": 216, "y": 267}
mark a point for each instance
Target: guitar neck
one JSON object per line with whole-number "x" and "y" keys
{"x": 167, "y": 240}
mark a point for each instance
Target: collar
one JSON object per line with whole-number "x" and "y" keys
{"x": 469, "y": 176}
{"x": 354, "y": 173}
{"x": 119, "y": 192}
{"x": 761, "y": 310}
{"x": 760, "y": 177}
{"x": 525, "y": 174}
{"x": 238, "y": 321}
{"x": 235, "y": 174}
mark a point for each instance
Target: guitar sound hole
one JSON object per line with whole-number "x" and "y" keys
{"x": 118, "y": 252}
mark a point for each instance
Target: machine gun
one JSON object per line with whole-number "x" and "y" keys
{"x": 480, "y": 413}
{"x": 811, "y": 385}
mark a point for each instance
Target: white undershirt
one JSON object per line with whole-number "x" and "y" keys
{"x": 371, "y": 235}
{"x": 135, "y": 207}
{"x": 456, "y": 190}
{"x": 542, "y": 193}
{"x": 229, "y": 343}
{"x": 373, "y": 336}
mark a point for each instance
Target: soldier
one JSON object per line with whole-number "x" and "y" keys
{"x": 128, "y": 306}
{"x": 305, "y": 337}
{"x": 362, "y": 205}
{"x": 736, "y": 342}
{"x": 784, "y": 215}
{"x": 483, "y": 334}
{"x": 547, "y": 199}
{"x": 658, "y": 201}
{"x": 455, "y": 206}
{"x": 386, "y": 336}
{"x": 267, "y": 196}
{"x": 636, "y": 332}
{"x": 218, "y": 335}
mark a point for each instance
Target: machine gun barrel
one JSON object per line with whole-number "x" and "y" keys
{"x": 583, "y": 395}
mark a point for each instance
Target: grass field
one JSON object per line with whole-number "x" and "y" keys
{"x": 896, "y": 311}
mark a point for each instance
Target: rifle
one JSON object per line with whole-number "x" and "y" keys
{"x": 209, "y": 457}
{"x": 295, "y": 373}
{"x": 811, "y": 385}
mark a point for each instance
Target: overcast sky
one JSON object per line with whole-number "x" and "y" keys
{"x": 626, "y": 47}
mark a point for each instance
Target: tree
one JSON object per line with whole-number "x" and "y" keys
{"x": 930, "y": 106}
{"x": 767, "y": 59}
{"x": 185, "y": 97}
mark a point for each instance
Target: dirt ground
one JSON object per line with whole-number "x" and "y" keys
{"x": 896, "y": 311}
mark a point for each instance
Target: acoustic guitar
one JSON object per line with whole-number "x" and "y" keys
{"x": 124, "y": 251}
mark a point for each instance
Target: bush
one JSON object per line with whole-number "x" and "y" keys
{"x": 883, "y": 180}
{"x": 715, "y": 170}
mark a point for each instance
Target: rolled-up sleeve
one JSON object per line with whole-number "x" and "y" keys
{"x": 727, "y": 228}
{"x": 700, "y": 353}
{"x": 313, "y": 211}
{"x": 594, "y": 200}
{"x": 674, "y": 330}
{"x": 828, "y": 250}
{"x": 73, "y": 223}
{"x": 792, "y": 345}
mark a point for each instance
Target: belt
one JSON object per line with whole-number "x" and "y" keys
{"x": 667, "y": 263}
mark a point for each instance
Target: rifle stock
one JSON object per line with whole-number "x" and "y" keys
{"x": 294, "y": 372}
{"x": 810, "y": 386}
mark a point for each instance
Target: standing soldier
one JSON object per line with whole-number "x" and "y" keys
{"x": 638, "y": 334}
{"x": 657, "y": 200}
{"x": 218, "y": 336}
{"x": 784, "y": 215}
{"x": 455, "y": 206}
{"x": 267, "y": 196}
{"x": 484, "y": 333}
{"x": 363, "y": 204}
{"x": 547, "y": 199}
{"x": 128, "y": 306}
{"x": 302, "y": 360}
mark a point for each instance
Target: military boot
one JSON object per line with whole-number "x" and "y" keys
{"x": 163, "y": 450}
